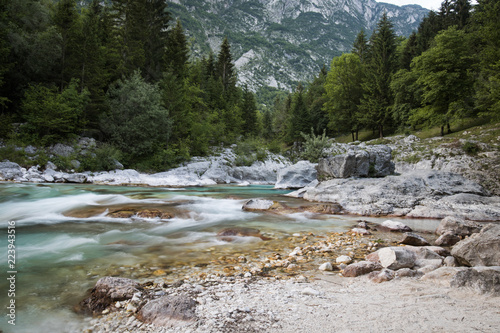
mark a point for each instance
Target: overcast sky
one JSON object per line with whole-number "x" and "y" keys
{"x": 429, "y": 4}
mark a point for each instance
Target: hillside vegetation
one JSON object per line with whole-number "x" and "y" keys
{"x": 122, "y": 72}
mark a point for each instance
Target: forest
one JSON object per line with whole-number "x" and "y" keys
{"x": 120, "y": 71}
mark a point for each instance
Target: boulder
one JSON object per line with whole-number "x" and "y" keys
{"x": 107, "y": 291}
{"x": 427, "y": 252}
{"x": 257, "y": 204}
{"x": 10, "y": 170}
{"x": 427, "y": 265}
{"x": 450, "y": 261}
{"x": 169, "y": 311}
{"x": 343, "y": 260}
{"x": 484, "y": 280}
{"x": 394, "y": 226}
{"x": 60, "y": 149}
{"x": 382, "y": 276}
{"x": 361, "y": 268}
{"x": 79, "y": 178}
{"x": 296, "y": 176}
{"x": 480, "y": 249}
{"x": 411, "y": 238}
{"x": 419, "y": 194}
{"x": 447, "y": 239}
{"x": 442, "y": 275}
{"x": 326, "y": 267}
{"x": 396, "y": 257}
{"x": 457, "y": 226}
{"x": 366, "y": 161}
{"x": 407, "y": 272}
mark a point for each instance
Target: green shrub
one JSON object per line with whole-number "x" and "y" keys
{"x": 249, "y": 151}
{"x": 314, "y": 146}
{"x": 470, "y": 148}
{"x": 103, "y": 158}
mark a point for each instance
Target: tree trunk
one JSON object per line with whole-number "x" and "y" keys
{"x": 357, "y": 135}
{"x": 381, "y": 131}
{"x": 442, "y": 130}
{"x": 352, "y": 133}
{"x": 449, "y": 129}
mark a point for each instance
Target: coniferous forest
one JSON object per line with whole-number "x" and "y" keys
{"x": 121, "y": 72}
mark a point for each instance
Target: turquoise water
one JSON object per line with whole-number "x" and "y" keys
{"x": 65, "y": 241}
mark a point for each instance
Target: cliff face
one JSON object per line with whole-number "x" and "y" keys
{"x": 280, "y": 42}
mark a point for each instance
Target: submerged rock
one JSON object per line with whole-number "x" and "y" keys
{"x": 257, "y": 204}
{"x": 230, "y": 234}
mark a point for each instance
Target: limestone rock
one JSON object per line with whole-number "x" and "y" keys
{"x": 427, "y": 265}
{"x": 395, "y": 226}
{"x": 480, "y": 249}
{"x": 257, "y": 204}
{"x": 421, "y": 193}
{"x": 367, "y": 161}
{"x": 343, "y": 260}
{"x": 10, "y": 170}
{"x": 484, "y": 280}
{"x": 169, "y": 311}
{"x": 326, "y": 267}
{"x": 457, "y": 226}
{"x": 107, "y": 291}
{"x": 411, "y": 238}
{"x": 450, "y": 261}
{"x": 442, "y": 275}
{"x": 79, "y": 178}
{"x": 448, "y": 238}
{"x": 298, "y": 175}
{"x": 382, "y": 276}
{"x": 361, "y": 268}
{"x": 396, "y": 257}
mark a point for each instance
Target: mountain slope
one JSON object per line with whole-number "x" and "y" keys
{"x": 280, "y": 42}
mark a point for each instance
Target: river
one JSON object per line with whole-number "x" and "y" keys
{"x": 67, "y": 236}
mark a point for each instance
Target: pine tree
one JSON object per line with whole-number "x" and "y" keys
{"x": 409, "y": 52}
{"x": 249, "y": 113}
{"x": 378, "y": 97}
{"x": 300, "y": 120}
{"x": 224, "y": 69}
{"x": 66, "y": 20}
{"x": 360, "y": 46}
{"x": 177, "y": 52}
{"x": 316, "y": 98}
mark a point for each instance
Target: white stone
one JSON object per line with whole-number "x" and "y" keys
{"x": 343, "y": 260}
{"x": 326, "y": 267}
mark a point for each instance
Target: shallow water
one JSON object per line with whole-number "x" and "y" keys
{"x": 65, "y": 241}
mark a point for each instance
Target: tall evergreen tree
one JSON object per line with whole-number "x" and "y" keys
{"x": 249, "y": 113}
{"x": 378, "y": 97}
{"x": 316, "y": 98}
{"x": 66, "y": 20}
{"x": 225, "y": 71}
{"x": 177, "y": 51}
{"x": 360, "y": 46}
{"x": 300, "y": 120}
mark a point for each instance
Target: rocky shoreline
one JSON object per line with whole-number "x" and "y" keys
{"x": 325, "y": 280}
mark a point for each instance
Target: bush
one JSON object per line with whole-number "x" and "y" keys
{"x": 314, "y": 146}
{"x": 470, "y": 148}
{"x": 103, "y": 158}
{"x": 249, "y": 151}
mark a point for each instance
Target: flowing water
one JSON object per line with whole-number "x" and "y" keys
{"x": 67, "y": 236}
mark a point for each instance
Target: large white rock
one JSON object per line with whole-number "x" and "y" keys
{"x": 298, "y": 175}
{"x": 396, "y": 257}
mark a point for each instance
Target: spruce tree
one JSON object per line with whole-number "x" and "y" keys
{"x": 249, "y": 113}
{"x": 225, "y": 71}
{"x": 177, "y": 52}
{"x": 360, "y": 46}
{"x": 378, "y": 96}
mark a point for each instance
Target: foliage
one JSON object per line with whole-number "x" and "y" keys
{"x": 470, "y": 148}
{"x": 52, "y": 116}
{"x": 103, "y": 158}
{"x": 343, "y": 94}
{"x": 249, "y": 151}
{"x": 314, "y": 146}
{"x": 136, "y": 123}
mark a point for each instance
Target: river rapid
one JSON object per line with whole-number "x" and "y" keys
{"x": 68, "y": 236}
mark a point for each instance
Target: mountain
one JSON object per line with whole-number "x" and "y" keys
{"x": 278, "y": 43}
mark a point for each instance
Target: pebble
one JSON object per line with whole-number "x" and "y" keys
{"x": 326, "y": 267}
{"x": 310, "y": 292}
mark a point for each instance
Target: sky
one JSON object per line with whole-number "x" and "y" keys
{"x": 429, "y": 4}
